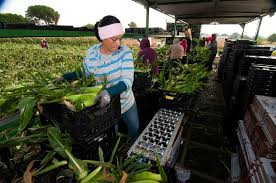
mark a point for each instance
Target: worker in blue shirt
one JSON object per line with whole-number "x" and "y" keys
{"x": 112, "y": 62}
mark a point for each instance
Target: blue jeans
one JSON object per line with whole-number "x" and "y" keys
{"x": 131, "y": 119}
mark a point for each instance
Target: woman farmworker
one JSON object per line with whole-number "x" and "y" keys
{"x": 148, "y": 54}
{"x": 175, "y": 52}
{"x": 111, "y": 61}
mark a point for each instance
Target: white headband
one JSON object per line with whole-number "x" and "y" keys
{"x": 110, "y": 30}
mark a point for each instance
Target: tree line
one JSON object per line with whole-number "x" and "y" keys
{"x": 37, "y": 14}
{"x": 40, "y": 14}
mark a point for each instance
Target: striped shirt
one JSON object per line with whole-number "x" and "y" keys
{"x": 112, "y": 68}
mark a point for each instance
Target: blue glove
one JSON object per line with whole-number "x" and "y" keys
{"x": 103, "y": 98}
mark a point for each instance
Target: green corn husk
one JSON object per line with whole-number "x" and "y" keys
{"x": 95, "y": 89}
{"x": 146, "y": 175}
{"x": 81, "y": 101}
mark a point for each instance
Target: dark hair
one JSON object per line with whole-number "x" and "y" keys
{"x": 107, "y": 20}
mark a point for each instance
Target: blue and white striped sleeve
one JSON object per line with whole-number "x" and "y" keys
{"x": 127, "y": 73}
{"x": 87, "y": 63}
{"x": 85, "y": 66}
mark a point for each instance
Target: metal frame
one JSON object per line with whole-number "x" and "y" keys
{"x": 270, "y": 8}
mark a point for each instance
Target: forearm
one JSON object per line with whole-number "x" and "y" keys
{"x": 69, "y": 76}
{"x": 74, "y": 75}
{"x": 117, "y": 89}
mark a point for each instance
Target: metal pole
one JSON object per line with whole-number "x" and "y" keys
{"x": 147, "y": 21}
{"x": 243, "y": 26}
{"x": 258, "y": 28}
{"x": 174, "y": 31}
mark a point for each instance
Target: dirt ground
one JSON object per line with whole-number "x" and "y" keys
{"x": 155, "y": 42}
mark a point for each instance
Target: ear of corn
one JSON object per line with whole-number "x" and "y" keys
{"x": 95, "y": 89}
{"x": 81, "y": 101}
{"x": 145, "y": 181}
{"x": 146, "y": 175}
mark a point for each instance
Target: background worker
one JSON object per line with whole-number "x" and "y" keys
{"x": 212, "y": 46}
{"x": 148, "y": 54}
{"x": 44, "y": 43}
{"x": 175, "y": 52}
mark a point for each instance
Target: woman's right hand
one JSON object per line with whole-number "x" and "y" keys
{"x": 103, "y": 99}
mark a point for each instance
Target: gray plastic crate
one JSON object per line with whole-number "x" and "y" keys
{"x": 159, "y": 136}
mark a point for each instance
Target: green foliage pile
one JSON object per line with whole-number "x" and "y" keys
{"x": 185, "y": 78}
{"x": 199, "y": 55}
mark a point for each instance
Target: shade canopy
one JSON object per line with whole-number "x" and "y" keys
{"x": 216, "y": 11}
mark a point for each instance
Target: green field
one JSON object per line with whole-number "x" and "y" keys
{"x": 14, "y": 33}
{"x": 23, "y": 57}
{"x": 4, "y": 33}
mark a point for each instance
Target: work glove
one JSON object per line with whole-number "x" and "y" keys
{"x": 103, "y": 99}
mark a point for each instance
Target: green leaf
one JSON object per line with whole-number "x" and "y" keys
{"x": 30, "y": 139}
{"x": 51, "y": 167}
{"x": 47, "y": 159}
{"x": 79, "y": 167}
{"x": 90, "y": 177}
{"x": 26, "y": 106}
{"x": 101, "y": 157}
{"x": 127, "y": 165}
{"x": 160, "y": 168}
{"x": 98, "y": 163}
{"x": 114, "y": 150}
{"x": 55, "y": 140}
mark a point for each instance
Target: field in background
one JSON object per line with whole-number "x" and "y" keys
{"x": 23, "y": 58}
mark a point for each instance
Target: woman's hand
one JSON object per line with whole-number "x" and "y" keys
{"x": 103, "y": 99}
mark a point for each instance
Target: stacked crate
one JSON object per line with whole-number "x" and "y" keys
{"x": 261, "y": 80}
{"x": 223, "y": 59}
{"x": 89, "y": 128}
{"x": 233, "y": 60}
{"x": 257, "y": 137}
{"x": 235, "y": 53}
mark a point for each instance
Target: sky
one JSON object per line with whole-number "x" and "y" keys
{"x": 82, "y": 12}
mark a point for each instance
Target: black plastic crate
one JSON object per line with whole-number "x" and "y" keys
{"x": 257, "y": 83}
{"x": 148, "y": 105}
{"x": 142, "y": 80}
{"x": 239, "y": 83}
{"x": 223, "y": 59}
{"x": 175, "y": 101}
{"x": 84, "y": 125}
{"x": 249, "y": 59}
{"x": 105, "y": 139}
{"x": 243, "y": 43}
{"x": 258, "y": 51}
